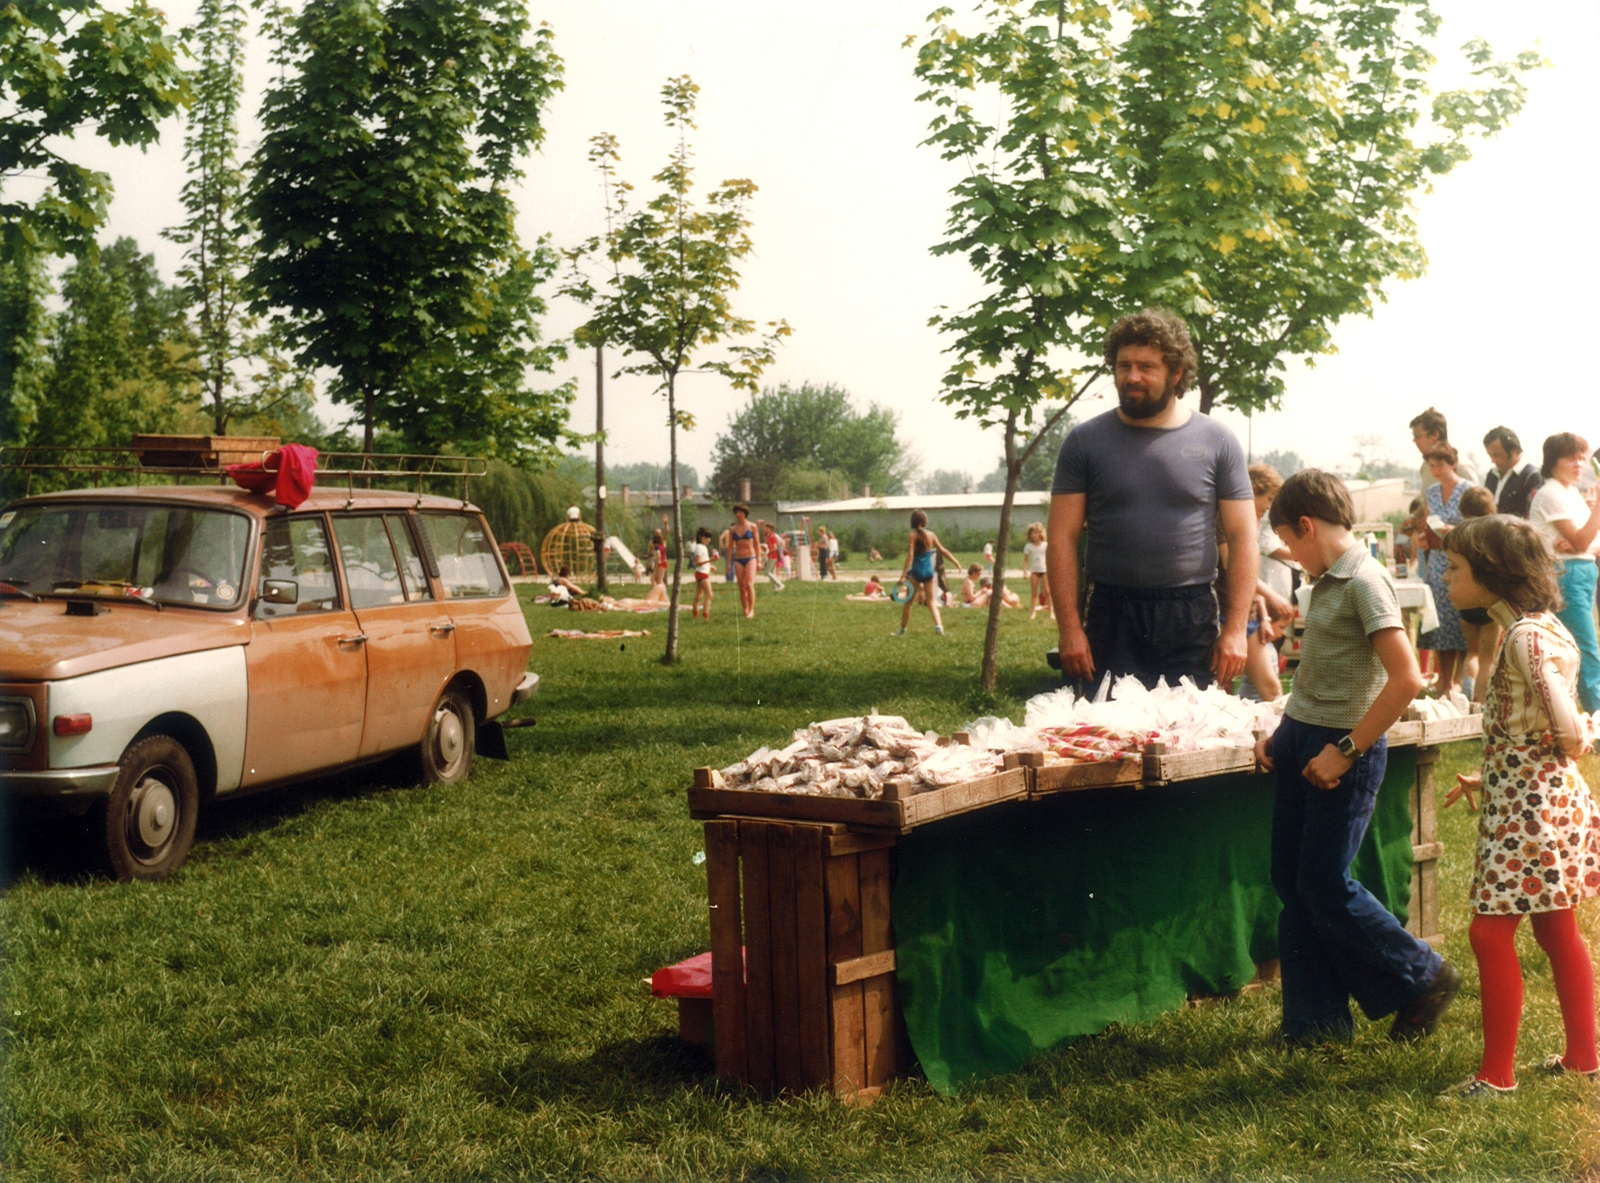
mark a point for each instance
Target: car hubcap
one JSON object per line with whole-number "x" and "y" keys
{"x": 450, "y": 732}
{"x": 152, "y": 814}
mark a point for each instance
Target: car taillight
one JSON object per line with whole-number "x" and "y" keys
{"x": 73, "y": 724}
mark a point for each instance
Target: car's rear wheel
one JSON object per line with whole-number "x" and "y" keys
{"x": 150, "y": 815}
{"x": 446, "y": 752}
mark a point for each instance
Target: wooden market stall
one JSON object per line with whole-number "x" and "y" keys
{"x": 807, "y": 989}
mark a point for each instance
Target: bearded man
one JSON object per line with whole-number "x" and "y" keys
{"x": 1153, "y": 481}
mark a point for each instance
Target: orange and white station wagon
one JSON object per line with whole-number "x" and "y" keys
{"x": 163, "y": 646}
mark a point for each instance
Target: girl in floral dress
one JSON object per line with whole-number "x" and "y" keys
{"x": 1538, "y": 830}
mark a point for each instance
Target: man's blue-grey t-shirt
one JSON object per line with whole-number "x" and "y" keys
{"x": 1152, "y": 497}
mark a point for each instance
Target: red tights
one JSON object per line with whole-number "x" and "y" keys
{"x": 1500, "y": 981}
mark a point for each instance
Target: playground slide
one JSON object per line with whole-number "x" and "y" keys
{"x": 622, "y": 552}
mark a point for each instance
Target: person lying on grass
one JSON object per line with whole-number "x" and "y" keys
{"x": 1357, "y": 674}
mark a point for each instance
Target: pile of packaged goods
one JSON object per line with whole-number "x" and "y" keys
{"x": 1124, "y": 716}
{"x": 1453, "y": 705}
{"x": 857, "y": 757}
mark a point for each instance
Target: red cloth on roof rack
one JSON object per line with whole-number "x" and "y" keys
{"x": 287, "y": 474}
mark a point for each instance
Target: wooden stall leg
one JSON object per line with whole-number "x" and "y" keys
{"x": 727, "y": 966}
{"x": 878, "y": 997}
{"x": 1425, "y": 851}
{"x": 848, "y": 1019}
{"x": 758, "y": 954}
{"x": 785, "y": 959}
{"x": 811, "y": 955}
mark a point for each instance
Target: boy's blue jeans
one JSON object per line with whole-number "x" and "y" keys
{"x": 1335, "y": 940}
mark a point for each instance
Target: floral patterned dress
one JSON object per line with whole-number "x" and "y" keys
{"x": 1449, "y": 635}
{"x": 1538, "y": 830}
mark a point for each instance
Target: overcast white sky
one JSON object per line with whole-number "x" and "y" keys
{"x": 815, "y": 105}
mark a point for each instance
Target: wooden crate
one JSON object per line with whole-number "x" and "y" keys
{"x": 1437, "y": 731}
{"x": 1071, "y": 778}
{"x": 709, "y": 799}
{"x": 813, "y": 1004}
{"x": 1162, "y": 767}
{"x": 201, "y": 451}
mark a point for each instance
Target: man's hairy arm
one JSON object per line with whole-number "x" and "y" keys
{"x": 1065, "y": 527}
{"x": 1244, "y": 565}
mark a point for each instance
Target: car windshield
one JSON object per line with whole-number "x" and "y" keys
{"x": 161, "y": 553}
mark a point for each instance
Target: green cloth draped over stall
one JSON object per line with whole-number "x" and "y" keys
{"x": 1028, "y": 924}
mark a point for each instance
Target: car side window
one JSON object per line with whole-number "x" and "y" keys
{"x": 417, "y": 586}
{"x": 468, "y": 565}
{"x": 295, "y": 549}
{"x": 370, "y": 568}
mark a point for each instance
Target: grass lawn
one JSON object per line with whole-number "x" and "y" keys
{"x": 360, "y": 978}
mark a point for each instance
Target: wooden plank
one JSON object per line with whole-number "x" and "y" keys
{"x": 848, "y": 1018}
{"x": 758, "y": 954}
{"x": 853, "y": 811}
{"x": 1426, "y": 852}
{"x": 785, "y": 959}
{"x": 1404, "y": 734}
{"x": 877, "y": 994}
{"x": 857, "y": 969}
{"x": 850, "y": 842}
{"x": 811, "y": 942}
{"x": 1162, "y": 767}
{"x": 965, "y": 797}
{"x": 1427, "y": 906}
{"x": 727, "y": 962}
{"x": 1070, "y": 778}
{"x": 1437, "y": 731}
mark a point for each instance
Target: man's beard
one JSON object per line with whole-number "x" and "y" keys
{"x": 1140, "y": 404}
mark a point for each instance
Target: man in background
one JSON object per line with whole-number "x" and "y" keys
{"x": 1512, "y": 480}
{"x": 1428, "y": 431}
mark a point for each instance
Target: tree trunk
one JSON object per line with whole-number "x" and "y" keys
{"x": 366, "y": 415}
{"x": 599, "y": 470}
{"x": 677, "y": 521}
{"x": 991, "y": 633}
{"x": 1208, "y": 395}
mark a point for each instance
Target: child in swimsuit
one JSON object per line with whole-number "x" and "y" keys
{"x": 701, "y": 552}
{"x": 921, "y": 549}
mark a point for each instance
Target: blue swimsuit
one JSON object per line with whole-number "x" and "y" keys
{"x": 922, "y": 564}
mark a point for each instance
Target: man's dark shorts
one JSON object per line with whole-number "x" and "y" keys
{"x": 1152, "y": 632}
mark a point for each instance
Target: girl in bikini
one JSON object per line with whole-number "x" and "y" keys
{"x": 746, "y": 548}
{"x": 921, "y": 549}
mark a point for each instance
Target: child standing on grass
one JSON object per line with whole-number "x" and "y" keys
{"x": 700, "y": 553}
{"x": 1538, "y": 831}
{"x": 1034, "y": 559}
{"x": 1357, "y": 674}
{"x": 921, "y": 550}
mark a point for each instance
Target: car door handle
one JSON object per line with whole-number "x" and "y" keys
{"x": 446, "y": 628}
{"x": 357, "y": 639}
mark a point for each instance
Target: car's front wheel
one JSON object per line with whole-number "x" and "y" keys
{"x": 150, "y": 815}
{"x": 448, "y": 742}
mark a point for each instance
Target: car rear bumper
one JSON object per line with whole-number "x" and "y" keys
{"x": 526, "y": 689}
{"x": 60, "y": 784}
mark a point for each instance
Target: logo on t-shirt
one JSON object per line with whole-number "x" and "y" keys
{"x": 1195, "y": 452}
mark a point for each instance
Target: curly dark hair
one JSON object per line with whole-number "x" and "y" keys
{"x": 1510, "y": 559}
{"x": 1164, "y": 331}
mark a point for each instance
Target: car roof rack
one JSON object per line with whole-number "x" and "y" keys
{"x": 177, "y": 457}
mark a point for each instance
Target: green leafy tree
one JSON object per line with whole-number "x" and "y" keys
{"x": 1286, "y": 462}
{"x": 381, "y": 192}
{"x": 812, "y": 428}
{"x": 649, "y": 477}
{"x": 1039, "y": 469}
{"x": 24, "y": 328}
{"x": 116, "y": 358}
{"x": 944, "y": 481}
{"x": 68, "y": 66}
{"x": 1249, "y": 164}
{"x": 674, "y": 266}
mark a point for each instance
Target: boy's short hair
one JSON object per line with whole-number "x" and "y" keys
{"x": 1312, "y": 493}
{"x": 1433, "y": 422}
{"x": 1443, "y": 451}
{"x": 1559, "y": 447}
{"x": 1505, "y": 437}
{"x": 702, "y": 532}
{"x": 1476, "y": 502}
{"x": 1509, "y": 558}
{"x": 1264, "y": 479}
{"x": 975, "y": 569}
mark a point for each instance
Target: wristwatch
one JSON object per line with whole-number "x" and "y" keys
{"x": 1347, "y": 748}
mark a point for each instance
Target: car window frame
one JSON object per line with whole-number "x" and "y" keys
{"x": 341, "y": 602}
{"x": 430, "y": 576}
{"x": 379, "y": 513}
{"x": 432, "y": 559}
{"x": 244, "y": 603}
